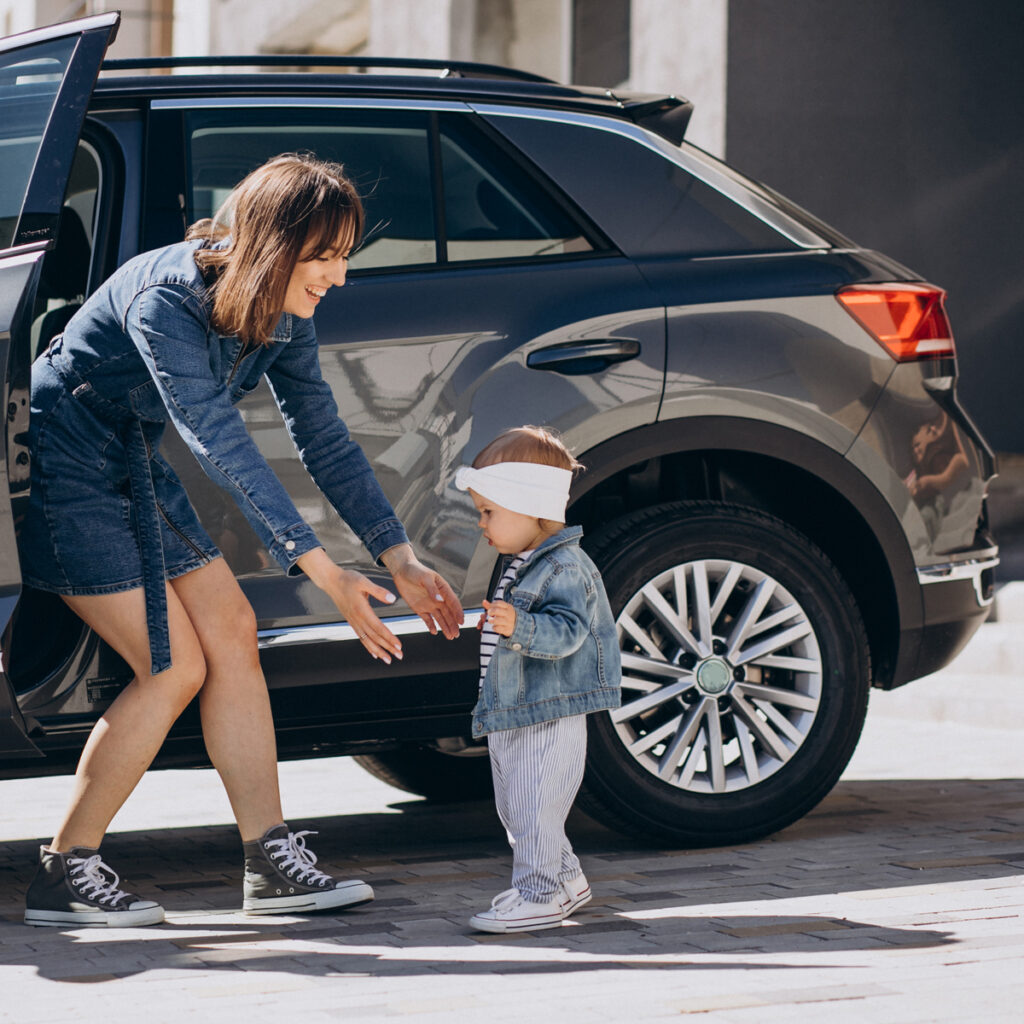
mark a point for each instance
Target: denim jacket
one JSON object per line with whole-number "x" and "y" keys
{"x": 562, "y": 658}
{"x": 142, "y": 350}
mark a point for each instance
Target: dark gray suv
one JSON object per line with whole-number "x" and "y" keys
{"x": 782, "y": 490}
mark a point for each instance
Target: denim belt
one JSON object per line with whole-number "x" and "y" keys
{"x": 147, "y": 512}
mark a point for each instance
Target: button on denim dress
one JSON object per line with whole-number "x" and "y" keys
{"x": 106, "y": 511}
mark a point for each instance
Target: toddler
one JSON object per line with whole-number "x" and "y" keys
{"x": 548, "y": 657}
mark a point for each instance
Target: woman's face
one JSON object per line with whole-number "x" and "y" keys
{"x": 313, "y": 275}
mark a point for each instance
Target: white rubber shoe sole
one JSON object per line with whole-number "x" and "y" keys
{"x": 526, "y": 917}
{"x": 347, "y": 894}
{"x": 149, "y": 913}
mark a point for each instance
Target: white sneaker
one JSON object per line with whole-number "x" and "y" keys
{"x": 509, "y": 912}
{"x": 574, "y": 893}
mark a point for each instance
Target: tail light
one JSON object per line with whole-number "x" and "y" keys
{"x": 908, "y": 320}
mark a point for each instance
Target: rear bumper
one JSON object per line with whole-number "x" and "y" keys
{"x": 956, "y": 598}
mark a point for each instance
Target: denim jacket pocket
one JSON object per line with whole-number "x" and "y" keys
{"x": 521, "y": 599}
{"x": 147, "y": 404}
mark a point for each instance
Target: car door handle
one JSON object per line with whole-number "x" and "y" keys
{"x": 584, "y": 357}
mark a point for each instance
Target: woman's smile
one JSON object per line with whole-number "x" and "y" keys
{"x": 311, "y": 279}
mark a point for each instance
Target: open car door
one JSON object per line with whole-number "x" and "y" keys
{"x": 46, "y": 81}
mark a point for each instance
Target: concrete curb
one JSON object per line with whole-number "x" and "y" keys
{"x": 984, "y": 686}
{"x": 1008, "y": 605}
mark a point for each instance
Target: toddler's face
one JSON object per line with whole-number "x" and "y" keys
{"x": 509, "y": 532}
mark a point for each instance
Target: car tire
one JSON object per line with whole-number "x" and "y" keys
{"x": 742, "y": 705}
{"x": 441, "y": 777}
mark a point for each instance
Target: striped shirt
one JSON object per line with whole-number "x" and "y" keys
{"x": 488, "y": 638}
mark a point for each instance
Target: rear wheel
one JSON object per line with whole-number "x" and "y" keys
{"x": 745, "y": 675}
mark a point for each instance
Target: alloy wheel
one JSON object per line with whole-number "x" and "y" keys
{"x": 721, "y": 676}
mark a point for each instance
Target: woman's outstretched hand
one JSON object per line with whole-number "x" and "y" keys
{"x": 351, "y": 592}
{"x": 426, "y": 592}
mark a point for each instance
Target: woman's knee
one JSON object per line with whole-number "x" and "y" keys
{"x": 188, "y": 671}
{"x": 232, "y": 640}
{"x": 222, "y": 618}
{"x": 240, "y": 627}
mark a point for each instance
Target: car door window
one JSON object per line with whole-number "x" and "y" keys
{"x": 29, "y": 81}
{"x": 387, "y": 158}
{"x": 494, "y": 209}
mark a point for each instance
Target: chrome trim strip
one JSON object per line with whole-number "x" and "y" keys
{"x": 950, "y": 572}
{"x": 342, "y": 632}
{"x": 338, "y": 102}
{"x": 17, "y": 255}
{"x": 690, "y": 162}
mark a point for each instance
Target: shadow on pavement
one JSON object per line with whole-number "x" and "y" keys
{"x": 236, "y": 948}
{"x": 433, "y": 865}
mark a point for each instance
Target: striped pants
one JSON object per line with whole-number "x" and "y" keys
{"x": 537, "y": 771}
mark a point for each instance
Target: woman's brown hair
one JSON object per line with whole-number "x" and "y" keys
{"x": 292, "y": 206}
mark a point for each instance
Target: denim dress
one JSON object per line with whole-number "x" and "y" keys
{"x": 106, "y": 511}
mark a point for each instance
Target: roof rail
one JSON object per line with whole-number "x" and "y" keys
{"x": 454, "y": 68}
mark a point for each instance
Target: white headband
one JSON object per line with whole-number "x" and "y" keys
{"x": 525, "y": 487}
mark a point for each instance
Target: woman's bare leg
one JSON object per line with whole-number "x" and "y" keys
{"x": 213, "y": 646}
{"x": 128, "y": 735}
{"x": 234, "y": 705}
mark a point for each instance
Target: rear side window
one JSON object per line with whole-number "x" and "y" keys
{"x": 647, "y": 204}
{"x": 29, "y": 80}
{"x": 436, "y": 191}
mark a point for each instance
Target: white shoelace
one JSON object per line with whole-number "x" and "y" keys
{"x": 295, "y": 860}
{"x": 92, "y": 877}
{"x": 507, "y": 899}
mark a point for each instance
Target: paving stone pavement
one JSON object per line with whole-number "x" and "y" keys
{"x": 899, "y": 899}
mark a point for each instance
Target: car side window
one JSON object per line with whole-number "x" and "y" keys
{"x": 493, "y": 209}
{"x": 648, "y": 205}
{"x": 388, "y": 160}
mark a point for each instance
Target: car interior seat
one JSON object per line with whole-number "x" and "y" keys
{"x": 64, "y": 278}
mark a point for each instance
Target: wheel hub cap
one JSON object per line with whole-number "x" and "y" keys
{"x": 714, "y": 676}
{"x": 721, "y": 676}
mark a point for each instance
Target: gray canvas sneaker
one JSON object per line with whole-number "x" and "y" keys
{"x": 281, "y": 877}
{"x": 77, "y": 889}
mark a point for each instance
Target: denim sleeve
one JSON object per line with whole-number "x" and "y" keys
{"x": 561, "y": 622}
{"x": 336, "y": 463}
{"x": 168, "y": 325}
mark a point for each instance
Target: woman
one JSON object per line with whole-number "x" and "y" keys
{"x": 182, "y": 333}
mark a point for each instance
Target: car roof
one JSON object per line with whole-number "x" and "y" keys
{"x": 305, "y": 75}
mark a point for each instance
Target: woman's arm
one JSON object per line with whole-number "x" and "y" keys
{"x": 341, "y": 471}
{"x": 168, "y": 326}
{"x": 336, "y": 463}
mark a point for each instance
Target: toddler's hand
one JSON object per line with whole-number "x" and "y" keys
{"x": 502, "y": 617}
{"x": 483, "y": 619}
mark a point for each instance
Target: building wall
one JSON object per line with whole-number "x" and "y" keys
{"x": 900, "y": 123}
{"x": 144, "y": 29}
{"x": 680, "y": 46}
